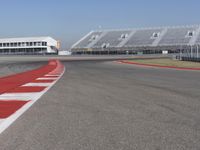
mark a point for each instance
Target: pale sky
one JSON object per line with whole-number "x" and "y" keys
{"x": 69, "y": 20}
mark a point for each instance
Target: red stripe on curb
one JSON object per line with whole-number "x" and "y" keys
{"x": 27, "y": 89}
{"x": 58, "y": 70}
{"x": 16, "y": 86}
{"x": 159, "y": 66}
{"x": 7, "y": 108}
{"x": 13, "y": 81}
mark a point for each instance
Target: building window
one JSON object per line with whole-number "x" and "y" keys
{"x": 39, "y": 44}
{"x": 44, "y": 43}
{"x": 1, "y": 44}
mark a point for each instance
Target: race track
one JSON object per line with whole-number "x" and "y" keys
{"x": 103, "y": 105}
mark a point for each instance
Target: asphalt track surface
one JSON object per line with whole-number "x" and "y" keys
{"x": 103, "y": 105}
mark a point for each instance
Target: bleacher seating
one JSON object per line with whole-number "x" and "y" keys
{"x": 88, "y": 39}
{"x": 177, "y": 36}
{"x": 114, "y": 38}
{"x": 143, "y": 37}
{"x": 198, "y": 40}
{"x": 135, "y": 38}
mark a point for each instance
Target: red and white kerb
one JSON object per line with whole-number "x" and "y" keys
{"x": 19, "y": 92}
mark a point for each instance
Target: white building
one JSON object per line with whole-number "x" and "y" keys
{"x": 64, "y": 53}
{"x": 29, "y": 45}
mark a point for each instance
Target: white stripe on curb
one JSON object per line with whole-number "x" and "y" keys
{"x": 50, "y": 75}
{"x": 19, "y": 96}
{"x": 38, "y": 84}
{"x": 46, "y": 78}
{"x": 1, "y": 120}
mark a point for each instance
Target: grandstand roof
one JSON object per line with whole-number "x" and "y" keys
{"x": 24, "y": 39}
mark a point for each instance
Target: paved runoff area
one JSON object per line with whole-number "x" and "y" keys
{"x": 104, "y": 105}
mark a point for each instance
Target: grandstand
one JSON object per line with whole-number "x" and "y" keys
{"x": 179, "y": 39}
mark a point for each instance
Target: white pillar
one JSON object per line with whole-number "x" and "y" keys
{"x": 191, "y": 51}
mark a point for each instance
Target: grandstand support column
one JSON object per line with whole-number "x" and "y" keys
{"x": 181, "y": 52}
{"x": 197, "y": 51}
{"x": 191, "y": 50}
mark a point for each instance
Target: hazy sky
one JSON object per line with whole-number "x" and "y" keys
{"x": 69, "y": 20}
